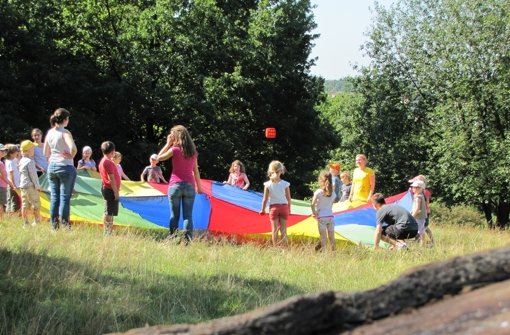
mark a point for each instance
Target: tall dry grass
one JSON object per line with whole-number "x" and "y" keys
{"x": 79, "y": 282}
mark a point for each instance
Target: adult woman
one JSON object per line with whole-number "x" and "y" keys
{"x": 41, "y": 162}
{"x": 185, "y": 175}
{"x": 60, "y": 149}
{"x": 363, "y": 182}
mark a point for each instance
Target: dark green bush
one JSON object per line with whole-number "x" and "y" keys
{"x": 456, "y": 215}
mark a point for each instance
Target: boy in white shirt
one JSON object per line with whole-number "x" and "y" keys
{"x": 29, "y": 183}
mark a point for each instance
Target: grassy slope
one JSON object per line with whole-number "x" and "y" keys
{"x": 79, "y": 282}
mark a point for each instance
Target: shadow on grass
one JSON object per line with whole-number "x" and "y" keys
{"x": 40, "y": 294}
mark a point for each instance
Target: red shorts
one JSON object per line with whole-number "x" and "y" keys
{"x": 279, "y": 211}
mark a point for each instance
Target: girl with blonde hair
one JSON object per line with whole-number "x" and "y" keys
{"x": 277, "y": 191}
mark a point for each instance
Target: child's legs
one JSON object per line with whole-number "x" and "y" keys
{"x": 428, "y": 231}
{"x": 12, "y": 200}
{"x": 331, "y": 235}
{"x": 107, "y": 223}
{"x": 111, "y": 209}
{"x": 322, "y": 232}
{"x": 421, "y": 227}
{"x": 36, "y": 204}
{"x": 278, "y": 221}
{"x": 283, "y": 230}
{"x": 275, "y": 225}
{"x": 30, "y": 199}
{"x": 25, "y": 204}
{"x": 3, "y": 199}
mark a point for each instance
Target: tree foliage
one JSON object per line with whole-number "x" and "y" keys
{"x": 129, "y": 70}
{"x": 435, "y": 100}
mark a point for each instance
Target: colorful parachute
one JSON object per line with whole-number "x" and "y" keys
{"x": 222, "y": 210}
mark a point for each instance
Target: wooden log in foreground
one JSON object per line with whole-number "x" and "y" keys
{"x": 334, "y": 313}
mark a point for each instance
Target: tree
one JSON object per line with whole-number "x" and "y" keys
{"x": 129, "y": 70}
{"x": 448, "y": 60}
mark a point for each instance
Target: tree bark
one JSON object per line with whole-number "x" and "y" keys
{"x": 502, "y": 215}
{"x": 487, "y": 210}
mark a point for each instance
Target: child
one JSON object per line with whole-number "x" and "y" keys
{"x": 322, "y": 203}
{"x": 29, "y": 184}
{"x": 110, "y": 180}
{"x": 41, "y": 162}
{"x": 117, "y": 158}
{"x": 346, "y": 185}
{"x": 11, "y": 166}
{"x": 153, "y": 171}
{"x": 86, "y": 162}
{"x": 427, "y": 195}
{"x": 334, "y": 169}
{"x": 237, "y": 176}
{"x": 277, "y": 191}
{"x": 4, "y": 180}
{"x": 419, "y": 212}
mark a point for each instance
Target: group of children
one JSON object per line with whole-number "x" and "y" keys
{"x": 334, "y": 186}
{"x": 19, "y": 173}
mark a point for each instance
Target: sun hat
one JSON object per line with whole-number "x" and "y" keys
{"x": 26, "y": 145}
{"x": 334, "y": 166}
{"x": 86, "y": 149}
{"x": 154, "y": 157}
{"x": 418, "y": 183}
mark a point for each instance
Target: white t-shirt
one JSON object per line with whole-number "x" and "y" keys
{"x": 12, "y": 165}
{"x": 324, "y": 205}
{"x": 277, "y": 192}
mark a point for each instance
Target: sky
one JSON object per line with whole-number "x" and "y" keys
{"x": 342, "y": 25}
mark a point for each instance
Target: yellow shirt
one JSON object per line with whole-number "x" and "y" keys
{"x": 361, "y": 184}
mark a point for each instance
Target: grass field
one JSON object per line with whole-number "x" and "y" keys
{"x": 79, "y": 282}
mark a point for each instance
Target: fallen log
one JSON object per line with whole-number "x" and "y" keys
{"x": 334, "y": 312}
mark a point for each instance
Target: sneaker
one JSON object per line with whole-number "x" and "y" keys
{"x": 35, "y": 223}
{"x": 401, "y": 246}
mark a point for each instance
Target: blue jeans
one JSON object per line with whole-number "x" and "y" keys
{"x": 61, "y": 178}
{"x": 185, "y": 193}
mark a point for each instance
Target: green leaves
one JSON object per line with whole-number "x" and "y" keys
{"x": 448, "y": 62}
{"x": 130, "y": 69}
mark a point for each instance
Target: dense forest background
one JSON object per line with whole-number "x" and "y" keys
{"x": 433, "y": 100}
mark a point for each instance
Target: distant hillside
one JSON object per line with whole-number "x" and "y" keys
{"x": 336, "y": 86}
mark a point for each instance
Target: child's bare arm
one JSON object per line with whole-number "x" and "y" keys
{"x": 246, "y": 182}
{"x": 416, "y": 207}
{"x": 115, "y": 187}
{"x": 314, "y": 205}
{"x": 264, "y": 201}
{"x": 287, "y": 195}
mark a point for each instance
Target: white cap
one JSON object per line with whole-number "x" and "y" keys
{"x": 418, "y": 183}
{"x": 154, "y": 157}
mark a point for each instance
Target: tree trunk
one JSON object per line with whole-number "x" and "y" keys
{"x": 487, "y": 210}
{"x": 502, "y": 215}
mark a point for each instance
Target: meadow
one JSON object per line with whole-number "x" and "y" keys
{"x": 80, "y": 282}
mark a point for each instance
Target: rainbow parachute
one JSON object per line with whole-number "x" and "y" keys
{"x": 222, "y": 210}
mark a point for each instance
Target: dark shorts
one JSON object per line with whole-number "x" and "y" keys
{"x": 111, "y": 206}
{"x": 397, "y": 234}
{"x": 279, "y": 211}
